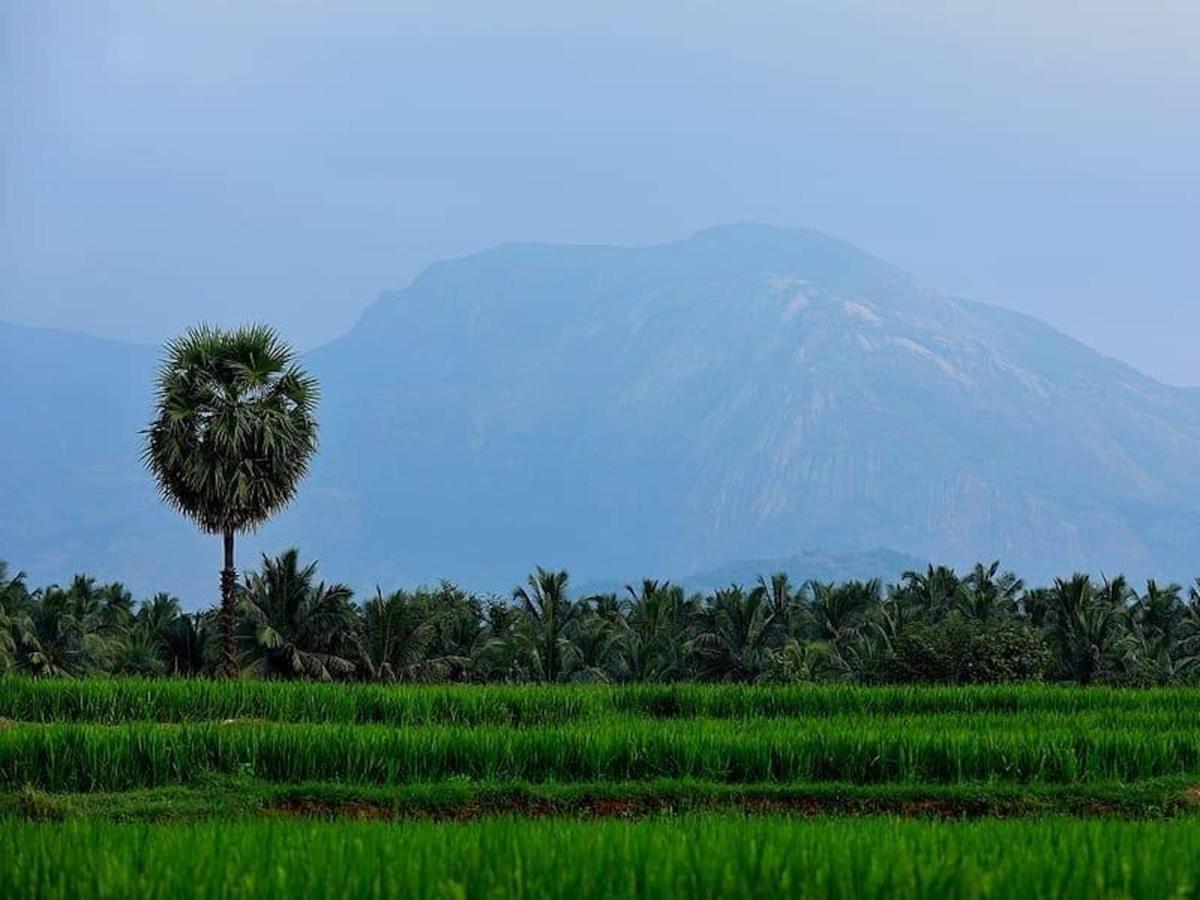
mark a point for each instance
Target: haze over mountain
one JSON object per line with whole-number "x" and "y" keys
{"x": 801, "y": 568}
{"x": 166, "y": 162}
{"x": 747, "y": 393}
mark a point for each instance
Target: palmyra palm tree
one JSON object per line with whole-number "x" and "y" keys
{"x": 232, "y": 437}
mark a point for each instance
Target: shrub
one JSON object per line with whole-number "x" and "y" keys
{"x": 968, "y": 651}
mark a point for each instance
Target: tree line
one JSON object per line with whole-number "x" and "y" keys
{"x": 933, "y": 626}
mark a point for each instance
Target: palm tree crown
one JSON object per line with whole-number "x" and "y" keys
{"x": 234, "y": 429}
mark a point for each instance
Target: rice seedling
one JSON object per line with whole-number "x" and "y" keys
{"x": 942, "y": 749}
{"x": 178, "y": 700}
{"x": 695, "y": 857}
{"x": 219, "y": 762}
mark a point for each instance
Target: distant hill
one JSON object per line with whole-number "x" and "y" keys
{"x": 886, "y": 565}
{"x": 73, "y": 496}
{"x": 814, "y": 565}
{"x": 643, "y": 411}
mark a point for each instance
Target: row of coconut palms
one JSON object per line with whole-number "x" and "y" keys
{"x": 932, "y": 626}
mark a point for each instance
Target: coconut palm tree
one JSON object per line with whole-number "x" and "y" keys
{"x": 157, "y": 614}
{"x": 547, "y": 611}
{"x": 839, "y": 611}
{"x": 292, "y": 627}
{"x": 988, "y": 592}
{"x": 593, "y": 647}
{"x": 232, "y": 437}
{"x": 654, "y": 646}
{"x": 779, "y": 590}
{"x": 1159, "y": 611}
{"x": 797, "y": 661}
{"x": 395, "y": 638}
{"x": 14, "y": 615}
{"x": 188, "y": 644}
{"x": 113, "y": 610}
{"x": 503, "y": 652}
{"x": 69, "y": 631}
{"x": 936, "y": 591}
{"x": 145, "y": 645}
{"x": 737, "y": 634}
{"x": 1086, "y": 625}
{"x": 418, "y": 636}
{"x": 138, "y": 654}
{"x": 457, "y": 616}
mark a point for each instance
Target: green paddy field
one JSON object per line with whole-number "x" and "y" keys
{"x": 120, "y": 788}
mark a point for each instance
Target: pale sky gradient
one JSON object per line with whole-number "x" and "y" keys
{"x": 162, "y": 162}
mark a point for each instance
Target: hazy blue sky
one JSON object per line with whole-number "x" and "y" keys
{"x": 163, "y": 162}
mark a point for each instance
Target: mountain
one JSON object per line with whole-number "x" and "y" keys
{"x": 747, "y": 393}
{"x": 73, "y": 496}
{"x": 886, "y": 565}
{"x": 801, "y": 568}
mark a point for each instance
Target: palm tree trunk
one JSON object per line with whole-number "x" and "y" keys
{"x": 228, "y": 604}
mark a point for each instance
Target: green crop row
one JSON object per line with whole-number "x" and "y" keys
{"x": 166, "y": 700}
{"x": 694, "y": 857}
{"x": 933, "y": 749}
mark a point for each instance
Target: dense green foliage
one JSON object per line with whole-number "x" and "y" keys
{"x": 711, "y": 856}
{"x": 931, "y": 627}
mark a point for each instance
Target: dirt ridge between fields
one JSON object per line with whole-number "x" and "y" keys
{"x": 642, "y": 807}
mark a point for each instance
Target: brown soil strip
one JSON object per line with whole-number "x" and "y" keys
{"x": 640, "y": 807}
